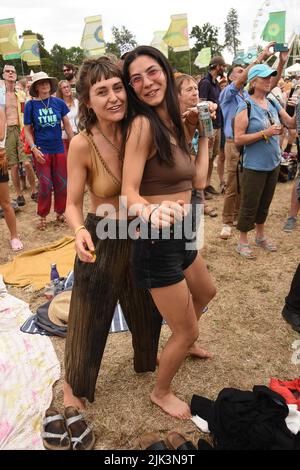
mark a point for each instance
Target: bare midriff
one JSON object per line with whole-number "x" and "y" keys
{"x": 183, "y": 196}
{"x": 106, "y": 207}
{"x": 11, "y": 109}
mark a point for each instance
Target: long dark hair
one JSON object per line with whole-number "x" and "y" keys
{"x": 90, "y": 72}
{"x": 161, "y": 134}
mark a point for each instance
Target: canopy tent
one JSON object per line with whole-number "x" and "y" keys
{"x": 293, "y": 69}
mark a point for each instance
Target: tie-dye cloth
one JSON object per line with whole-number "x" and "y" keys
{"x": 28, "y": 369}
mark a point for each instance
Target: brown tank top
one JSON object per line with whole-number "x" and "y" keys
{"x": 160, "y": 178}
{"x": 101, "y": 181}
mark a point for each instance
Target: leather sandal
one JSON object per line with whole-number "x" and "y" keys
{"x": 55, "y": 435}
{"x": 151, "y": 441}
{"x": 42, "y": 224}
{"x": 177, "y": 441}
{"x": 82, "y": 435}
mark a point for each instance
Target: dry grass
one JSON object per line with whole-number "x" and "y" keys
{"x": 243, "y": 328}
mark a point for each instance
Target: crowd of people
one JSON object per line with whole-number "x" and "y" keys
{"x": 131, "y": 128}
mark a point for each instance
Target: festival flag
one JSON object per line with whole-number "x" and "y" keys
{"x": 275, "y": 27}
{"x": 250, "y": 55}
{"x": 30, "y": 51}
{"x": 159, "y": 43}
{"x": 177, "y": 35}
{"x": 9, "y": 48}
{"x": 239, "y": 58}
{"x": 203, "y": 58}
{"x": 92, "y": 41}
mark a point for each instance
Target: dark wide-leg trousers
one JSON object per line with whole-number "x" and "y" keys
{"x": 97, "y": 288}
{"x": 292, "y": 301}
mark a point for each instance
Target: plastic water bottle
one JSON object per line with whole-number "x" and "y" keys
{"x": 54, "y": 273}
{"x": 205, "y": 119}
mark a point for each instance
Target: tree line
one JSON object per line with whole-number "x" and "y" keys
{"x": 206, "y": 35}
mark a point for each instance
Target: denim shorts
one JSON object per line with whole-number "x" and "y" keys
{"x": 160, "y": 262}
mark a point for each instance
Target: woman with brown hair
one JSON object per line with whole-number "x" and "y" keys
{"x": 102, "y": 271}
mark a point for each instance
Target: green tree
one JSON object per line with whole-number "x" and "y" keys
{"x": 207, "y": 36}
{"x": 183, "y": 61}
{"x": 122, "y": 36}
{"x": 61, "y": 55}
{"x": 232, "y": 31}
{"x": 112, "y": 48}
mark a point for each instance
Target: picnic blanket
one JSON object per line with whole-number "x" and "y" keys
{"x": 28, "y": 369}
{"x": 33, "y": 267}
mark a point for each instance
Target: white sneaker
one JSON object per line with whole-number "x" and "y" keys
{"x": 225, "y": 232}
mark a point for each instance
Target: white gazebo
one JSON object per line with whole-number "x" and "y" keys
{"x": 293, "y": 69}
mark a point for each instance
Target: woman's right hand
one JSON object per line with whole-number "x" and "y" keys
{"x": 84, "y": 246}
{"x": 39, "y": 155}
{"x": 275, "y": 129}
{"x": 166, "y": 213}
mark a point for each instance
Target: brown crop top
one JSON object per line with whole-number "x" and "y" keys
{"x": 101, "y": 182}
{"x": 160, "y": 178}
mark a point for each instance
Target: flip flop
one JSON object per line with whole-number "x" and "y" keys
{"x": 244, "y": 250}
{"x": 177, "y": 441}
{"x": 151, "y": 441}
{"x": 82, "y": 435}
{"x": 16, "y": 244}
{"x": 266, "y": 244}
{"x": 55, "y": 435}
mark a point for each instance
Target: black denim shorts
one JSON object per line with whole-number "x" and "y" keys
{"x": 159, "y": 262}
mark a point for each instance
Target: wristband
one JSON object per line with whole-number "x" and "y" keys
{"x": 32, "y": 146}
{"x": 81, "y": 227}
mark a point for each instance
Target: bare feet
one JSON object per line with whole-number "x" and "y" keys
{"x": 72, "y": 400}
{"x": 172, "y": 405}
{"x": 196, "y": 351}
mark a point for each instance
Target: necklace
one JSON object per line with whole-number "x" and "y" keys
{"x": 46, "y": 105}
{"x": 108, "y": 140}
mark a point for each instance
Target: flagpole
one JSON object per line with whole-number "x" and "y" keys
{"x": 22, "y": 65}
{"x": 190, "y": 61}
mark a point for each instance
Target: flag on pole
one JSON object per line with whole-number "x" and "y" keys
{"x": 250, "y": 55}
{"x": 30, "y": 51}
{"x": 239, "y": 58}
{"x": 159, "y": 43}
{"x": 203, "y": 58}
{"x": 275, "y": 27}
{"x": 177, "y": 35}
{"x": 9, "y": 48}
{"x": 92, "y": 41}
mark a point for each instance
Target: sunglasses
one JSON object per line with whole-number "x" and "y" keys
{"x": 66, "y": 70}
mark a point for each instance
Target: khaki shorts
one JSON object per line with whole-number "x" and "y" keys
{"x": 214, "y": 144}
{"x": 14, "y": 147}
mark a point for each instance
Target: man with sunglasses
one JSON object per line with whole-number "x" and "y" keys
{"x": 13, "y": 102}
{"x": 69, "y": 71}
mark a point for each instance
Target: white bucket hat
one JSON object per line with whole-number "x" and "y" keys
{"x": 42, "y": 76}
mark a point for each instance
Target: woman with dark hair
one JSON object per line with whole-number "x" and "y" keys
{"x": 102, "y": 272}
{"x": 157, "y": 179}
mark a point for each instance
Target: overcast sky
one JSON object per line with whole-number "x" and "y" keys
{"x": 62, "y": 21}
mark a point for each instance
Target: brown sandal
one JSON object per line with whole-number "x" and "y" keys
{"x": 42, "y": 224}
{"x": 61, "y": 218}
{"x": 82, "y": 435}
{"x": 177, "y": 441}
{"x": 151, "y": 441}
{"x": 55, "y": 435}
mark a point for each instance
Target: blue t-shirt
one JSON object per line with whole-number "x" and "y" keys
{"x": 262, "y": 156}
{"x": 46, "y": 121}
{"x": 230, "y": 99}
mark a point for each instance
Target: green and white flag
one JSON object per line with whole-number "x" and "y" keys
{"x": 275, "y": 27}
{"x": 203, "y": 58}
{"x": 159, "y": 43}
